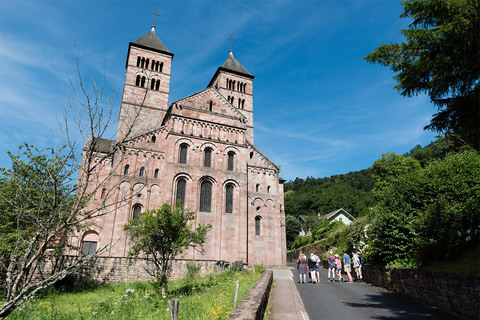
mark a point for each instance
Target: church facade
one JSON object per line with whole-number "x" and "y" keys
{"x": 199, "y": 151}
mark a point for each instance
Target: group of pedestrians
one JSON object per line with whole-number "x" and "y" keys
{"x": 312, "y": 265}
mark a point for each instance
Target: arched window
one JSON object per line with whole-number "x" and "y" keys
{"x": 125, "y": 170}
{"x": 142, "y": 171}
{"x": 137, "y": 81}
{"x": 146, "y": 63}
{"x": 229, "y": 198}
{"x": 257, "y": 187}
{"x": 138, "y": 61}
{"x": 153, "y": 64}
{"x": 136, "y": 209}
{"x": 231, "y": 160}
{"x": 268, "y": 189}
{"x": 181, "y": 187}
{"x": 143, "y": 62}
{"x": 161, "y": 67}
{"x": 251, "y": 155}
{"x": 157, "y": 85}
{"x": 182, "y": 157}
{"x": 207, "y": 157}
{"x": 155, "y": 175}
{"x": 206, "y": 196}
{"x": 154, "y": 138}
{"x": 210, "y": 108}
{"x": 152, "y": 84}
{"x": 258, "y": 220}
{"x": 143, "y": 82}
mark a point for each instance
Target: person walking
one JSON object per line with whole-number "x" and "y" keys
{"x": 362, "y": 261}
{"x": 302, "y": 268}
{"x": 312, "y": 267}
{"x": 338, "y": 267}
{"x": 317, "y": 260}
{"x": 356, "y": 265}
{"x": 346, "y": 265}
{"x": 331, "y": 267}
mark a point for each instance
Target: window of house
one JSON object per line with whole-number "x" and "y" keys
{"x": 142, "y": 171}
{"x": 257, "y": 187}
{"x": 125, "y": 170}
{"x": 89, "y": 247}
{"x": 181, "y": 187}
{"x": 136, "y": 209}
{"x": 206, "y": 196}
{"x": 183, "y": 153}
{"x": 231, "y": 159}
{"x": 229, "y": 198}
{"x": 146, "y": 63}
{"x": 155, "y": 175}
{"x": 257, "y": 225}
{"x": 207, "y": 157}
{"x": 251, "y": 155}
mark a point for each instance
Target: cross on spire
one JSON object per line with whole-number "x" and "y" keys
{"x": 231, "y": 39}
{"x": 155, "y": 14}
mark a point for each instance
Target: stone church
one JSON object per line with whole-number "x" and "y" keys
{"x": 198, "y": 150}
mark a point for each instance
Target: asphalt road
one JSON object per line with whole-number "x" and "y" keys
{"x": 358, "y": 300}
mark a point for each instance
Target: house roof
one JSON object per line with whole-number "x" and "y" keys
{"x": 335, "y": 213}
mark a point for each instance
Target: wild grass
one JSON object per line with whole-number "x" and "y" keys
{"x": 210, "y": 297}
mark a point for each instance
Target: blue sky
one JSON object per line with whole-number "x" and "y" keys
{"x": 319, "y": 109}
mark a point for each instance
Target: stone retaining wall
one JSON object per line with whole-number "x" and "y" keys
{"x": 253, "y": 305}
{"x": 452, "y": 292}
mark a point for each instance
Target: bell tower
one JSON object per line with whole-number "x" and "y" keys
{"x": 147, "y": 86}
{"x": 235, "y": 83}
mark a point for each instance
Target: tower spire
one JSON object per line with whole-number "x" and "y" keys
{"x": 230, "y": 39}
{"x": 155, "y": 14}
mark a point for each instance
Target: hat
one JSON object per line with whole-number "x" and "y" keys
{"x": 313, "y": 252}
{"x": 358, "y": 252}
{"x": 336, "y": 255}
{"x": 331, "y": 251}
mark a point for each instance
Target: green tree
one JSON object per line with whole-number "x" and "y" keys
{"x": 38, "y": 211}
{"x": 293, "y": 227}
{"x": 390, "y": 167}
{"x": 440, "y": 57}
{"x": 164, "y": 234}
{"x": 434, "y": 210}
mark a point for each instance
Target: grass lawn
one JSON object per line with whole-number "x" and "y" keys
{"x": 210, "y": 297}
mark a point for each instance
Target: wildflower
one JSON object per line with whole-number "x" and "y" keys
{"x": 130, "y": 290}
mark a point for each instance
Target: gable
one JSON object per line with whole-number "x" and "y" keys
{"x": 208, "y": 105}
{"x": 258, "y": 159}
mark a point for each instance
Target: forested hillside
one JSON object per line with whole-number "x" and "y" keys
{"x": 351, "y": 191}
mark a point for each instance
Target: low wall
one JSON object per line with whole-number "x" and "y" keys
{"x": 253, "y": 305}
{"x": 452, "y": 292}
{"x": 123, "y": 269}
